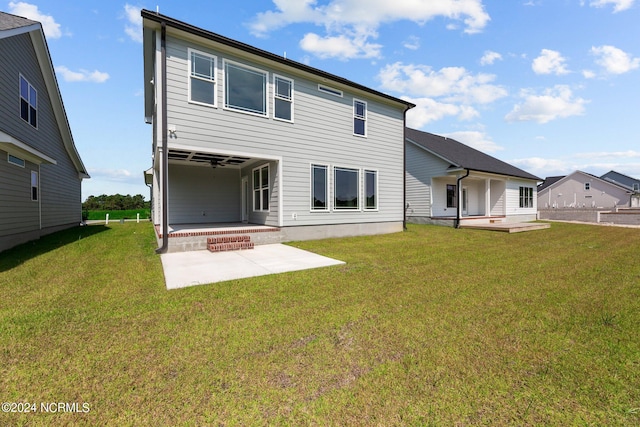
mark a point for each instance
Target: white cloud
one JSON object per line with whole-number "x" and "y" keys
{"x": 428, "y": 110}
{"x": 545, "y": 167}
{"x": 453, "y": 84}
{"x": 611, "y": 155}
{"x": 82, "y": 75}
{"x": 614, "y": 60}
{"x": 490, "y": 57}
{"x": 30, "y": 11}
{"x": 133, "y": 28}
{"x": 476, "y": 139}
{"x": 554, "y": 103}
{"x": 549, "y": 62}
{"x": 359, "y": 20}
{"x": 412, "y": 43}
{"x": 341, "y": 47}
{"x": 588, "y": 74}
{"x": 618, "y": 5}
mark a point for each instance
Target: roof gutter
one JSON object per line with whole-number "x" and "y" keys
{"x": 164, "y": 162}
{"x": 458, "y": 213}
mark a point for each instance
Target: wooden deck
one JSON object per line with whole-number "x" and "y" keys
{"x": 516, "y": 227}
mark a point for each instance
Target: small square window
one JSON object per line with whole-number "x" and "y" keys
{"x": 587, "y": 186}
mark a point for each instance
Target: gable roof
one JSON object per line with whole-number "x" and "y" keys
{"x": 561, "y": 179}
{"x": 462, "y": 156}
{"x": 620, "y": 179}
{"x": 153, "y": 20}
{"x": 550, "y": 180}
{"x": 12, "y": 25}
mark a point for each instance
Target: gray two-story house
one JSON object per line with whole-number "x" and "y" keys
{"x": 241, "y": 135}
{"x": 40, "y": 170}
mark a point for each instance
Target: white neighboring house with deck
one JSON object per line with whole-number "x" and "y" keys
{"x": 245, "y": 137}
{"x": 450, "y": 183}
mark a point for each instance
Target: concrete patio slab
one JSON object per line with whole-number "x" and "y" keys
{"x": 182, "y": 269}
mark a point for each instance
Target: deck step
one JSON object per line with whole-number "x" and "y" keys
{"x": 229, "y": 243}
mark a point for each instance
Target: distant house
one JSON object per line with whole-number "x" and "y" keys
{"x": 450, "y": 183}
{"x": 40, "y": 169}
{"x": 241, "y": 135}
{"x": 583, "y": 190}
{"x": 628, "y": 182}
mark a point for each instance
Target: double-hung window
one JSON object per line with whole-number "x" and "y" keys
{"x": 245, "y": 89}
{"x": 587, "y": 186}
{"x": 370, "y": 190}
{"x": 282, "y": 98}
{"x": 319, "y": 187}
{"x": 346, "y": 188}
{"x": 34, "y": 186}
{"x": 452, "y": 196}
{"x": 202, "y": 78}
{"x": 526, "y": 197}
{"x": 28, "y": 102}
{"x": 261, "y": 188}
{"x": 359, "y": 118}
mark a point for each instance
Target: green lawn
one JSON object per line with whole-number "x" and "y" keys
{"x": 113, "y": 214}
{"x": 434, "y": 326}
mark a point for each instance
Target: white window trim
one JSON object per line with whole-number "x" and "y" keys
{"x": 334, "y": 207}
{"x": 260, "y": 189}
{"x": 524, "y": 199}
{"x": 366, "y": 113}
{"x": 224, "y": 88}
{"x": 20, "y": 165}
{"x": 275, "y": 96}
{"x": 364, "y": 190}
{"x": 636, "y": 186}
{"x": 330, "y": 91}
{"x": 28, "y": 102}
{"x": 327, "y": 187}
{"x": 214, "y": 81}
{"x": 587, "y": 186}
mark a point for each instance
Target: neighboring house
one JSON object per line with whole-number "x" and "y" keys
{"x": 254, "y": 137}
{"x": 40, "y": 169}
{"x": 450, "y": 183}
{"x": 583, "y": 190}
{"x": 628, "y": 182}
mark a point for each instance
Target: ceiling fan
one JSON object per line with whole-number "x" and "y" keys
{"x": 215, "y": 163}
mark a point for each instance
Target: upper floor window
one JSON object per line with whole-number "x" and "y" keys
{"x": 587, "y": 186}
{"x": 28, "y": 102}
{"x": 283, "y": 98}
{"x": 526, "y": 197}
{"x": 245, "y": 89}
{"x": 359, "y": 118}
{"x": 636, "y": 186}
{"x": 202, "y": 78}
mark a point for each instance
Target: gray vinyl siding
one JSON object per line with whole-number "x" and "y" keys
{"x": 421, "y": 167}
{"x": 198, "y": 197}
{"x": 60, "y": 194}
{"x": 18, "y": 213}
{"x": 322, "y": 133}
{"x": 570, "y": 192}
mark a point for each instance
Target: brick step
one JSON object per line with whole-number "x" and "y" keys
{"x": 228, "y": 239}
{"x": 234, "y": 246}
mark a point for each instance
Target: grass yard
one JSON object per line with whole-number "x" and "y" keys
{"x": 433, "y": 326}
{"x": 121, "y": 214}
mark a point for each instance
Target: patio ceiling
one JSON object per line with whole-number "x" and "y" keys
{"x": 208, "y": 159}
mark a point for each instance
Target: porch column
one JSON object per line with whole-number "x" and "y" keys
{"x": 487, "y": 197}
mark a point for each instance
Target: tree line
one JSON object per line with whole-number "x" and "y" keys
{"x": 116, "y": 202}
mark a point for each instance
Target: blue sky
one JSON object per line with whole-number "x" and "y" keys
{"x": 550, "y": 86}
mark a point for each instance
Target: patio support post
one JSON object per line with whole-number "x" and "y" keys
{"x": 459, "y": 208}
